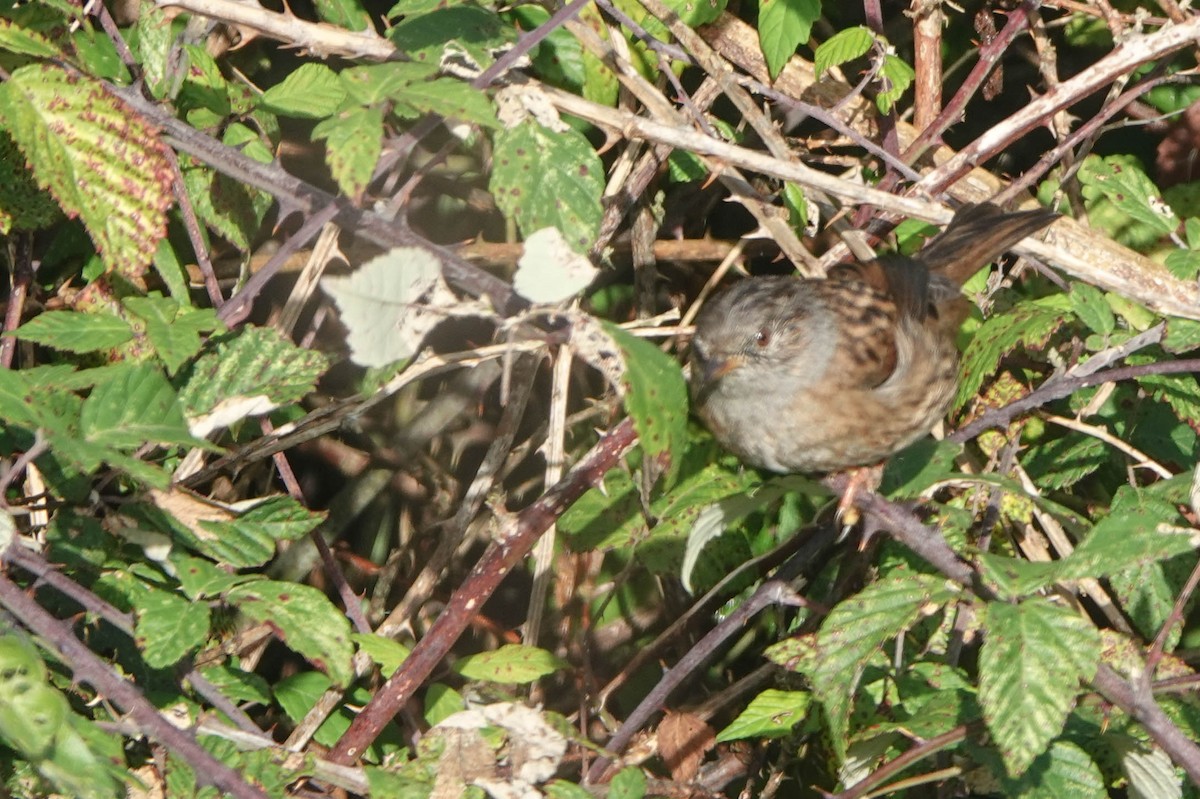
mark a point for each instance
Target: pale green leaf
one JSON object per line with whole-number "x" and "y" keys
{"x": 542, "y": 178}
{"x": 510, "y": 664}
{"x": 1033, "y": 658}
{"x": 1150, "y": 772}
{"x": 75, "y": 332}
{"x": 549, "y": 270}
{"x": 390, "y": 303}
{"x": 784, "y": 25}
{"x": 353, "y": 141}
{"x": 168, "y": 627}
{"x": 373, "y": 83}
{"x": 24, "y": 41}
{"x": 842, "y": 47}
{"x": 311, "y": 90}
{"x": 307, "y": 622}
{"x": 629, "y": 783}
{"x": 771, "y": 714}
{"x": 96, "y": 156}
{"x": 462, "y": 32}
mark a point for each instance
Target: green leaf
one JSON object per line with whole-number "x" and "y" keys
{"x": 311, "y": 90}
{"x": 174, "y": 331}
{"x": 510, "y": 664}
{"x": 897, "y": 76}
{"x": 784, "y": 25}
{"x": 1124, "y": 540}
{"x": 374, "y": 83}
{"x": 1033, "y": 658}
{"x": 1064, "y": 770}
{"x": 1126, "y": 185}
{"x": 464, "y": 29}
{"x": 629, "y": 783}
{"x": 656, "y": 398}
{"x": 96, "y": 156}
{"x": 442, "y": 702}
{"x": 252, "y": 372}
{"x": 387, "y": 653}
{"x": 543, "y": 178}
{"x": 917, "y": 467}
{"x": 23, "y": 41}
{"x": 771, "y": 714}
{"x": 449, "y": 98}
{"x": 1029, "y": 324}
{"x": 23, "y": 206}
{"x": 1065, "y": 461}
{"x": 841, "y": 48}
{"x": 308, "y": 624}
{"x": 202, "y": 579}
{"x": 137, "y": 406}
{"x": 238, "y": 685}
{"x": 348, "y": 14}
{"x": 353, "y": 141}
{"x": 1090, "y": 306}
{"x": 856, "y": 629}
{"x": 1180, "y": 391}
{"x": 75, "y": 332}
{"x": 250, "y": 539}
{"x": 1183, "y": 335}
{"x": 168, "y": 627}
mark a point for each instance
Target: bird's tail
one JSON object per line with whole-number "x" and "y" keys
{"x": 977, "y": 235}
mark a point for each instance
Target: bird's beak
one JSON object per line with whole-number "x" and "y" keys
{"x": 712, "y": 370}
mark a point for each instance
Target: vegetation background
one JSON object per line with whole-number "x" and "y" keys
{"x": 345, "y": 446}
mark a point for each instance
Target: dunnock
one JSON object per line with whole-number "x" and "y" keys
{"x": 799, "y": 375}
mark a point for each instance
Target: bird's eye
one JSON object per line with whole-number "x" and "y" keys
{"x": 762, "y": 338}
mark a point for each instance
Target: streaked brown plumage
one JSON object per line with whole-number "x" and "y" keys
{"x": 799, "y": 375}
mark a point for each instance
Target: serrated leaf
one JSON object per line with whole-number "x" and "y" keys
{"x": 172, "y": 330}
{"x": 856, "y": 629}
{"x": 348, "y": 14}
{"x": 784, "y": 25}
{"x": 16, "y": 39}
{"x": 1130, "y": 190}
{"x": 136, "y": 407}
{"x": 1033, "y": 658}
{"x": 1064, "y": 770}
{"x": 549, "y": 270}
{"x": 307, "y": 623}
{"x": 1065, "y": 461}
{"x": 917, "y": 467}
{"x": 75, "y": 332}
{"x": 1179, "y": 391}
{"x": 240, "y": 686}
{"x": 373, "y": 83}
{"x": 450, "y": 98}
{"x": 1183, "y": 335}
{"x": 168, "y": 627}
{"x": 512, "y": 664}
{"x": 96, "y": 156}
{"x": 311, "y": 90}
{"x": 842, "y": 47}
{"x": 629, "y": 783}
{"x": 1124, "y": 540}
{"x": 387, "y": 653}
{"x": 250, "y": 539}
{"x": 1090, "y": 306}
{"x": 896, "y": 76}
{"x": 656, "y": 398}
{"x": 546, "y": 179}
{"x": 1029, "y": 324}
{"x": 466, "y": 32}
{"x": 391, "y": 302}
{"x": 23, "y": 206}
{"x": 253, "y": 372}
{"x": 1150, "y": 772}
{"x": 353, "y": 141}
{"x": 771, "y": 714}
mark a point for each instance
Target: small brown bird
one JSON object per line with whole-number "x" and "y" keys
{"x": 799, "y": 375}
